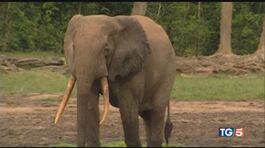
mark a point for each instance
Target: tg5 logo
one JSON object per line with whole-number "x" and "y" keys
{"x": 231, "y": 132}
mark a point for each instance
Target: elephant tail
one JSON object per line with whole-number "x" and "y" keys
{"x": 168, "y": 125}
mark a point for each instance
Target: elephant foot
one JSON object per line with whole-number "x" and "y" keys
{"x": 92, "y": 144}
{"x": 133, "y": 144}
{"x": 154, "y": 144}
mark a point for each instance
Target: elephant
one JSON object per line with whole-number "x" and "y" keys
{"x": 130, "y": 61}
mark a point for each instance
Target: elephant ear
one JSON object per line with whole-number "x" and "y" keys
{"x": 69, "y": 42}
{"x": 131, "y": 49}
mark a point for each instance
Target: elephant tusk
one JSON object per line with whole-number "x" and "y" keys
{"x": 105, "y": 90}
{"x": 68, "y": 91}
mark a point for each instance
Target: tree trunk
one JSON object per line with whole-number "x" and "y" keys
{"x": 198, "y": 36}
{"x": 159, "y": 9}
{"x": 6, "y": 26}
{"x": 139, "y": 8}
{"x": 199, "y": 10}
{"x": 225, "y": 29}
{"x": 261, "y": 46}
{"x": 80, "y": 8}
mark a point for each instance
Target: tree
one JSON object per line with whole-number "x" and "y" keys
{"x": 247, "y": 27}
{"x": 261, "y": 46}
{"x": 225, "y": 29}
{"x": 193, "y": 27}
{"x": 80, "y": 8}
{"x": 139, "y": 8}
{"x": 7, "y": 26}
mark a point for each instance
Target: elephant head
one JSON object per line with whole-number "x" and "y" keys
{"x": 98, "y": 50}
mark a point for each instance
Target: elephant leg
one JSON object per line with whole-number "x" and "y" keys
{"x": 147, "y": 122}
{"x": 157, "y": 128}
{"x": 130, "y": 121}
{"x": 154, "y": 124}
{"x": 156, "y": 118}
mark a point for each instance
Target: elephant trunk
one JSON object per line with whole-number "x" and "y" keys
{"x": 68, "y": 91}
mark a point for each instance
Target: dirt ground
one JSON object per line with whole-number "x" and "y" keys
{"x": 28, "y": 121}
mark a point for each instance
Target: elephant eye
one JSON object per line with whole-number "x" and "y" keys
{"x": 107, "y": 49}
{"x": 106, "y": 45}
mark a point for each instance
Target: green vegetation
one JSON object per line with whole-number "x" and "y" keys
{"x": 38, "y": 81}
{"x": 219, "y": 87}
{"x": 63, "y": 144}
{"x": 193, "y": 87}
{"x": 114, "y": 144}
{"x": 36, "y": 54}
{"x": 110, "y": 144}
{"x": 192, "y": 27}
